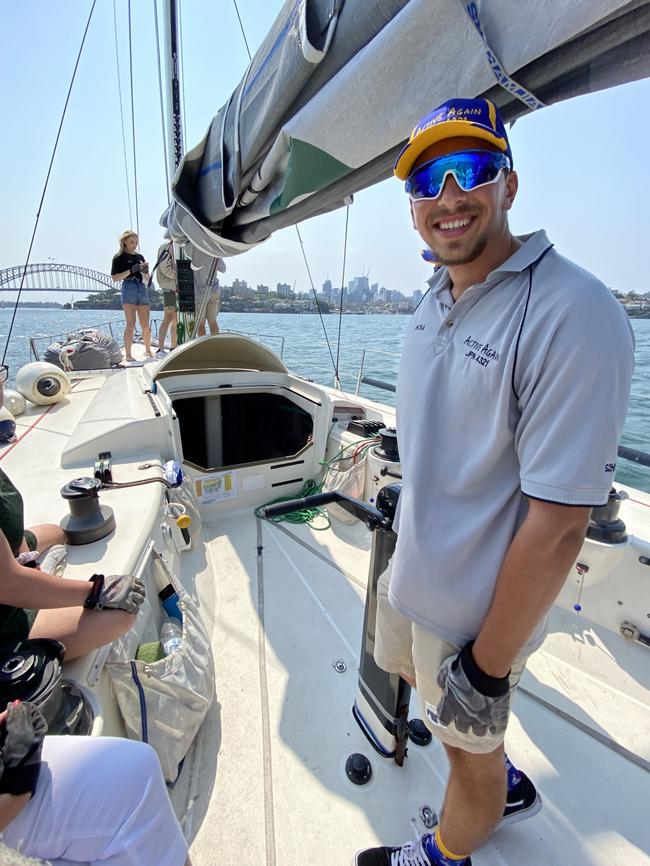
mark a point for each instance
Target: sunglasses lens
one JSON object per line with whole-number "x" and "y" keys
{"x": 470, "y": 169}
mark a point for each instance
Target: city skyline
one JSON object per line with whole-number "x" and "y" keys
{"x": 593, "y": 215}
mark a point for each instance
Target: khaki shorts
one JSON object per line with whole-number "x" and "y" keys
{"x": 212, "y": 307}
{"x": 403, "y": 647}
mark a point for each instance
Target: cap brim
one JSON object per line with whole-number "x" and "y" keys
{"x": 449, "y": 129}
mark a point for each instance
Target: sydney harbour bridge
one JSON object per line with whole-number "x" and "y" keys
{"x": 54, "y": 277}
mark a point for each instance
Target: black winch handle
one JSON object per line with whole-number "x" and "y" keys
{"x": 371, "y": 516}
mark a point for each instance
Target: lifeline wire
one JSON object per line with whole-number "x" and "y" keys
{"x": 119, "y": 90}
{"x": 135, "y": 163}
{"x": 47, "y": 180}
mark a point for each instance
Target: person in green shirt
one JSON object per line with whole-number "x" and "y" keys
{"x": 36, "y": 604}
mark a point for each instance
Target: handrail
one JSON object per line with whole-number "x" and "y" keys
{"x": 33, "y": 349}
{"x": 360, "y": 378}
{"x": 633, "y": 454}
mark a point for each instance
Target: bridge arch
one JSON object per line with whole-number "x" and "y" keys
{"x": 55, "y": 277}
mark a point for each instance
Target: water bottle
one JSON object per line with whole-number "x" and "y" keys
{"x": 171, "y": 635}
{"x": 169, "y": 599}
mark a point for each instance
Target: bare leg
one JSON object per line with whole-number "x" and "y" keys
{"x": 168, "y": 323}
{"x": 474, "y": 800}
{"x": 201, "y": 329}
{"x": 80, "y": 630}
{"x": 46, "y": 534}
{"x": 143, "y": 318}
{"x": 212, "y": 324}
{"x": 129, "y": 315}
{"x": 162, "y": 331}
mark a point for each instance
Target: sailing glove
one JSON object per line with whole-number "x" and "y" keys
{"x": 136, "y": 268}
{"x": 21, "y": 744}
{"x": 475, "y": 702}
{"x": 115, "y": 592}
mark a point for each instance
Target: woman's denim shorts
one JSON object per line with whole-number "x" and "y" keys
{"x": 134, "y": 292}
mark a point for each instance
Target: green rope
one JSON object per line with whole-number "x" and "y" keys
{"x": 308, "y": 515}
{"x": 303, "y": 515}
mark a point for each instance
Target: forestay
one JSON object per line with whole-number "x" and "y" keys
{"x": 337, "y": 85}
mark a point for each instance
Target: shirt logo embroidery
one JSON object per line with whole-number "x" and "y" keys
{"x": 610, "y": 467}
{"x": 420, "y": 327}
{"x": 482, "y": 353}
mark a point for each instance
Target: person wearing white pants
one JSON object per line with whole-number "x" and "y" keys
{"x": 97, "y": 800}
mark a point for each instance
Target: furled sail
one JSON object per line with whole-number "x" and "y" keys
{"x": 337, "y": 85}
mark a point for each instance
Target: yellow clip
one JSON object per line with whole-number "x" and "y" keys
{"x": 183, "y": 521}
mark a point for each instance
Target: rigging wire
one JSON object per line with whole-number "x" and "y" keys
{"x": 313, "y": 288}
{"x": 162, "y": 105}
{"x": 119, "y": 90}
{"x": 135, "y": 163}
{"x": 47, "y": 180}
{"x": 241, "y": 27}
{"x": 302, "y": 246}
{"x": 182, "y": 68}
{"x": 337, "y": 380}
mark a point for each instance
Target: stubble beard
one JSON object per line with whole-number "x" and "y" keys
{"x": 464, "y": 258}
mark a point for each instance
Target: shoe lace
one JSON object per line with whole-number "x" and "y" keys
{"x": 412, "y": 853}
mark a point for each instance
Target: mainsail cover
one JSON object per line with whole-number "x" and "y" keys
{"x": 337, "y": 85}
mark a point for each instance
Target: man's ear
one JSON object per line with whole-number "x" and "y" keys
{"x": 512, "y": 185}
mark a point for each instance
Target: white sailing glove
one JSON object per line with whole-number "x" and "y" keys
{"x": 474, "y": 701}
{"x": 116, "y": 592}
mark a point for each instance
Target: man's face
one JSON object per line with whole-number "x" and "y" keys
{"x": 459, "y": 225}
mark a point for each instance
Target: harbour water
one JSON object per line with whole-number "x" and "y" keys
{"x": 305, "y": 352}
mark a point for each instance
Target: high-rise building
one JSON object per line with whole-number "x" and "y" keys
{"x": 262, "y": 290}
{"x": 417, "y": 296}
{"x": 327, "y": 290}
{"x": 284, "y": 290}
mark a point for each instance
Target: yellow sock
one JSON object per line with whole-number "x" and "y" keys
{"x": 445, "y": 856}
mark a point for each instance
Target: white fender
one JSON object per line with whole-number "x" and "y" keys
{"x": 7, "y": 426}
{"x": 15, "y": 402}
{"x": 42, "y": 383}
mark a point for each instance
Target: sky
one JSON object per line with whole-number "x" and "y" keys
{"x": 583, "y": 165}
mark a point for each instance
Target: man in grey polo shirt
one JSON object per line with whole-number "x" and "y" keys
{"x": 511, "y": 398}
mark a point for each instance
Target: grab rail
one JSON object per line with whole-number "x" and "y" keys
{"x": 376, "y": 383}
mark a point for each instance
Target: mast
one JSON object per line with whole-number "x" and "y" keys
{"x": 174, "y": 142}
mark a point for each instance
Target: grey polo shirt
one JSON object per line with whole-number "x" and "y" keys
{"x": 519, "y": 387}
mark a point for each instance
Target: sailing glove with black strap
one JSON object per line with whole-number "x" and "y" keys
{"x": 472, "y": 700}
{"x": 21, "y": 744}
{"x": 116, "y": 592}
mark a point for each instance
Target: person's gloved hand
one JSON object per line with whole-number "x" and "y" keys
{"x": 21, "y": 744}
{"x": 474, "y": 701}
{"x": 136, "y": 268}
{"x": 117, "y": 592}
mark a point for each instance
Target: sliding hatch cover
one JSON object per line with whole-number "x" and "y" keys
{"x": 218, "y": 353}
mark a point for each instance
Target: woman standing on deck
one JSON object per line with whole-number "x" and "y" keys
{"x": 129, "y": 267}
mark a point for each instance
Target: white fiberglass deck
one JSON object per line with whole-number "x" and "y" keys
{"x": 265, "y": 781}
{"x": 272, "y": 783}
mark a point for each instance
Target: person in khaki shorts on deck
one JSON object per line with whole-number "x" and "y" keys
{"x": 511, "y": 398}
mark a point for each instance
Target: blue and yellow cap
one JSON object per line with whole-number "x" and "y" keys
{"x": 476, "y": 118}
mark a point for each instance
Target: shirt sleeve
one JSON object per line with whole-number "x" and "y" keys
{"x": 118, "y": 265}
{"x": 573, "y": 400}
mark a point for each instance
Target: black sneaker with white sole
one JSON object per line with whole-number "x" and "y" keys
{"x": 410, "y": 854}
{"x": 523, "y": 802}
